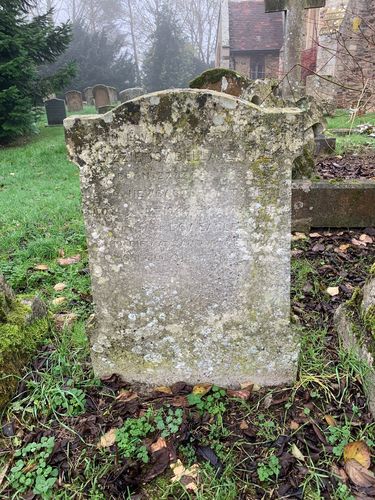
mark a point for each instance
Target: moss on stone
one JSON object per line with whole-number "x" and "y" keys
{"x": 18, "y": 340}
{"x": 215, "y": 75}
{"x": 304, "y": 165}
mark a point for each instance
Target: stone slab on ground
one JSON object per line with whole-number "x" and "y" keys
{"x": 23, "y": 326}
{"x": 346, "y": 203}
{"x": 186, "y": 198}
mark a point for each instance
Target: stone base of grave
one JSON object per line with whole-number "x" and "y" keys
{"x": 325, "y": 145}
{"x": 23, "y": 326}
{"x": 266, "y": 366}
{"x": 355, "y": 325}
{"x": 347, "y": 203}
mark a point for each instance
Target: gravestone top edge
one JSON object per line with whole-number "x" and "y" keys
{"x": 116, "y": 113}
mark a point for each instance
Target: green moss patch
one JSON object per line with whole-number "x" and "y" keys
{"x": 215, "y": 75}
{"x": 18, "y": 340}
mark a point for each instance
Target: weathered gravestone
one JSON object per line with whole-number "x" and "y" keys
{"x": 74, "y": 100}
{"x": 101, "y": 96}
{"x": 56, "y": 111}
{"x": 187, "y": 204}
{"x": 89, "y": 96}
{"x": 129, "y": 94}
{"x": 113, "y": 94}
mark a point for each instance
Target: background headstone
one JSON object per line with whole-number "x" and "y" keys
{"x": 89, "y": 96}
{"x": 187, "y": 204}
{"x": 56, "y": 111}
{"x": 129, "y": 94}
{"x": 74, "y": 100}
{"x": 101, "y": 96}
{"x": 113, "y": 94}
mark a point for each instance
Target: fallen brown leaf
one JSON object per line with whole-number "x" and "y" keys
{"x": 108, "y": 439}
{"x": 125, "y": 396}
{"x": 358, "y": 451}
{"x": 158, "y": 445}
{"x": 164, "y": 390}
{"x": 186, "y": 476}
{"x": 201, "y": 389}
{"x": 337, "y": 471}
{"x": 315, "y": 235}
{"x": 41, "y": 267}
{"x": 58, "y": 301}
{"x": 358, "y": 243}
{"x": 179, "y": 402}
{"x": 242, "y": 394}
{"x": 69, "y": 260}
{"x": 342, "y": 248}
{"x": 296, "y": 452}
{"x": 330, "y": 420}
{"x": 59, "y": 287}
{"x": 333, "y": 291}
{"x": 366, "y": 238}
{"x": 359, "y": 475}
{"x": 299, "y": 236}
{"x": 244, "y": 425}
{"x": 294, "y": 425}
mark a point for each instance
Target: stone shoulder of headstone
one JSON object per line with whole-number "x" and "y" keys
{"x": 187, "y": 202}
{"x": 130, "y": 94}
{"x": 24, "y": 321}
{"x": 229, "y": 82}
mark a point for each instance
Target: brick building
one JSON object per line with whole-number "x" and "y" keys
{"x": 251, "y": 41}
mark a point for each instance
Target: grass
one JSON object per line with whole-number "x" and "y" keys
{"x": 41, "y": 219}
{"x": 342, "y": 119}
{"x": 352, "y": 143}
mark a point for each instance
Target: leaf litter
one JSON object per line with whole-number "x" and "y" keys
{"x": 305, "y": 427}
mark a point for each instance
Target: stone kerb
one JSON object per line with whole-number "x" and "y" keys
{"x": 187, "y": 205}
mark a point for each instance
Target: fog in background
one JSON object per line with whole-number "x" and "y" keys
{"x": 142, "y": 32}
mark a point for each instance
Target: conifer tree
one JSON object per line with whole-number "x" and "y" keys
{"x": 170, "y": 62}
{"x": 25, "y": 45}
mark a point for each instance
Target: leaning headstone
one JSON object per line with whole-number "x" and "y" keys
{"x": 89, "y": 96}
{"x": 129, "y": 94}
{"x": 74, "y": 100}
{"x": 101, "y": 96}
{"x": 113, "y": 94}
{"x": 187, "y": 203}
{"x": 56, "y": 111}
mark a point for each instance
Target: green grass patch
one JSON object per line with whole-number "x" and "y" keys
{"x": 343, "y": 119}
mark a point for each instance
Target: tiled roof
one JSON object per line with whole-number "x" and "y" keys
{"x": 250, "y": 28}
